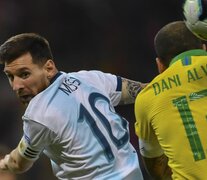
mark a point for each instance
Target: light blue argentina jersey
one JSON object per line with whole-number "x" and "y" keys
{"x": 74, "y": 123}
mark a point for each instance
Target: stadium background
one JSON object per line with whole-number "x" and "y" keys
{"x": 110, "y": 35}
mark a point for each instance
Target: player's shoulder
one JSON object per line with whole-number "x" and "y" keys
{"x": 90, "y": 73}
{"x": 96, "y": 78}
{"x": 149, "y": 93}
{"x": 40, "y": 103}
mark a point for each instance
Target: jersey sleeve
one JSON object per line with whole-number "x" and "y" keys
{"x": 109, "y": 83}
{"x": 115, "y": 93}
{"x": 35, "y": 138}
{"x": 148, "y": 143}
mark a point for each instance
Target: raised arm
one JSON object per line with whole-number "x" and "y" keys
{"x": 130, "y": 89}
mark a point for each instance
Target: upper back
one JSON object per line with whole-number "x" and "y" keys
{"x": 174, "y": 105}
{"x": 93, "y": 140}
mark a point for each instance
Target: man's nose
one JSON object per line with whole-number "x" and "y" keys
{"x": 17, "y": 84}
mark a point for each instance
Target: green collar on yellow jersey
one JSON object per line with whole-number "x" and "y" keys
{"x": 195, "y": 52}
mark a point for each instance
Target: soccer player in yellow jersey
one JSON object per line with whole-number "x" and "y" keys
{"x": 171, "y": 112}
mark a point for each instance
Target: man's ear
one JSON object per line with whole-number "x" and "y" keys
{"x": 50, "y": 68}
{"x": 161, "y": 67}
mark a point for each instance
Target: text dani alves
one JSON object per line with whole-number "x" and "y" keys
{"x": 170, "y": 82}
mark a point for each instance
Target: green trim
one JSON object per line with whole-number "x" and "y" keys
{"x": 190, "y": 127}
{"x": 195, "y": 52}
{"x": 198, "y": 95}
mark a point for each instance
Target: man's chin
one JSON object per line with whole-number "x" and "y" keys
{"x": 25, "y": 100}
{"x": 25, "y": 103}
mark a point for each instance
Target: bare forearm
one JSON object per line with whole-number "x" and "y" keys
{"x": 158, "y": 167}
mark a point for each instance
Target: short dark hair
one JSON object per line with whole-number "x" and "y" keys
{"x": 21, "y": 44}
{"x": 173, "y": 39}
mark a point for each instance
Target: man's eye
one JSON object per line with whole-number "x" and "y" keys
{"x": 25, "y": 75}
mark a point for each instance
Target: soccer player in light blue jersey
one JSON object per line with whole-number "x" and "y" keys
{"x": 69, "y": 116}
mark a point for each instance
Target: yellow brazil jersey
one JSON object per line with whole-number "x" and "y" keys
{"x": 173, "y": 108}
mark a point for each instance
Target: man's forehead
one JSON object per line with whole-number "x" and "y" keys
{"x": 18, "y": 66}
{"x": 23, "y": 59}
{"x": 15, "y": 70}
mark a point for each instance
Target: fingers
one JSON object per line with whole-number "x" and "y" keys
{"x": 4, "y": 163}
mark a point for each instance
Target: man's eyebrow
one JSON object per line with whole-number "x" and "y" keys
{"x": 18, "y": 70}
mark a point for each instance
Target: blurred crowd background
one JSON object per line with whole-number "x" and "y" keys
{"x": 113, "y": 36}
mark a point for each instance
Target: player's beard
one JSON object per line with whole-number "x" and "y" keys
{"x": 25, "y": 99}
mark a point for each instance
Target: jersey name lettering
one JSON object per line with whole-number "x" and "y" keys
{"x": 197, "y": 73}
{"x": 168, "y": 83}
{"x": 69, "y": 85}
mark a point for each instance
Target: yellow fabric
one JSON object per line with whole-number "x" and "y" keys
{"x": 173, "y": 108}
